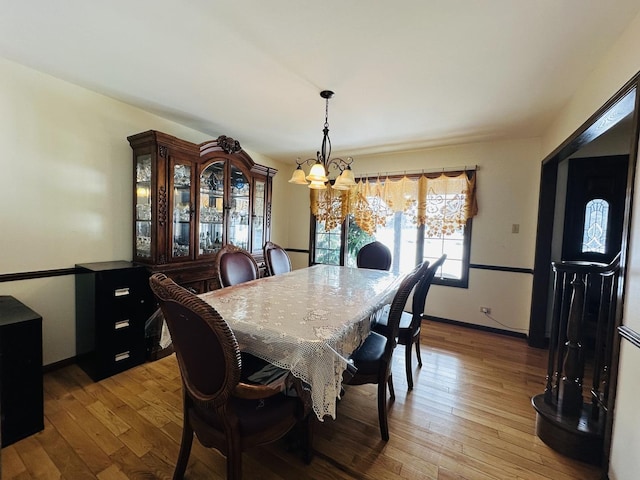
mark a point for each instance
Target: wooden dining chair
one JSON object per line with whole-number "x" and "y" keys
{"x": 276, "y": 259}
{"x": 411, "y": 323}
{"x": 220, "y": 406}
{"x": 235, "y": 265}
{"x": 374, "y": 255}
{"x": 371, "y": 361}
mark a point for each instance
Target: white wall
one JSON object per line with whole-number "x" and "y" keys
{"x": 298, "y": 208}
{"x": 620, "y": 64}
{"x": 66, "y": 189}
{"x": 625, "y": 462}
{"x": 508, "y": 184}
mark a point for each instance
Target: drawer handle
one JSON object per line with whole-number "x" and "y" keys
{"x": 122, "y": 356}
{"x": 122, "y": 324}
{"x": 121, "y": 292}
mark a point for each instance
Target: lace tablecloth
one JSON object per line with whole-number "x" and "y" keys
{"x": 307, "y": 321}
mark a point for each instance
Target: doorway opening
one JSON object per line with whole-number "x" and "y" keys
{"x": 584, "y": 213}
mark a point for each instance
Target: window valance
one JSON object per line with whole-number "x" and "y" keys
{"x": 442, "y": 203}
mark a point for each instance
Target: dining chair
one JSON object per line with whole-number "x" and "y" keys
{"x": 370, "y": 363}
{"x": 235, "y": 265}
{"x": 222, "y": 408}
{"x": 276, "y": 259}
{"x": 411, "y": 323}
{"x": 374, "y": 255}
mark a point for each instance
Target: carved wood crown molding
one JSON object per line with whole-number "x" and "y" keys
{"x": 228, "y": 144}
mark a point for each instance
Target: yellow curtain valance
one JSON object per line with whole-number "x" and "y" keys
{"x": 443, "y": 204}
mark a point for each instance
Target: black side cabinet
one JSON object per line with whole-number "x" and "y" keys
{"x": 113, "y": 302}
{"x": 20, "y": 371}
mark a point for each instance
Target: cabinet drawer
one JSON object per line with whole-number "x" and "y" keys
{"x": 122, "y": 294}
{"x": 119, "y": 326}
{"x": 118, "y": 359}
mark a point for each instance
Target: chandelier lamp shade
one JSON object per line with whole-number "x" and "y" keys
{"x": 318, "y": 175}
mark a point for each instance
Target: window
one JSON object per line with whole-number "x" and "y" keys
{"x": 327, "y": 244}
{"x": 403, "y": 239}
{"x": 411, "y": 241}
{"x": 596, "y": 219}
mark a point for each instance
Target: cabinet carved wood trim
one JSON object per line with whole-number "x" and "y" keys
{"x": 162, "y": 206}
{"x": 228, "y": 144}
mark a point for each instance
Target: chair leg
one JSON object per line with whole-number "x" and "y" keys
{"x": 382, "y": 410}
{"x": 308, "y": 437}
{"x": 234, "y": 461}
{"x": 392, "y": 393}
{"x": 417, "y": 343}
{"x": 407, "y": 366}
{"x": 185, "y": 449}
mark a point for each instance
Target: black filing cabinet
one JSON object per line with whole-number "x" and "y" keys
{"x": 21, "y": 399}
{"x": 113, "y": 302}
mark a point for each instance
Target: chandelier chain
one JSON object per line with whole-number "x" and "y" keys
{"x": 326, "y": 114}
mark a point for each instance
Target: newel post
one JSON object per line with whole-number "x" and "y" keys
{"x": 570, "y": 395}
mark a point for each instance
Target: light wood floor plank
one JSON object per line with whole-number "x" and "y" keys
{"x": 469, "y": 417}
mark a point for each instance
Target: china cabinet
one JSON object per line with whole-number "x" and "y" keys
{"x": 191, "y": 199}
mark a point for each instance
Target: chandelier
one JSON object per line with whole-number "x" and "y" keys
{"x": 318, "y": 175}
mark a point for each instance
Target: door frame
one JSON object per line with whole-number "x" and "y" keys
{"x": 616, "y": 108}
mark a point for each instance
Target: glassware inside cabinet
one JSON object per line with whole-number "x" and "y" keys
{"x": 143, "y": 206}
{"x": 181, "y": 210}
{"x": 258, "y": 215}
{"x": 239, "y": 212}
{"x": 211, "y": 213}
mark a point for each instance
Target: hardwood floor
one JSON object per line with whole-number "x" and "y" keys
{"x": 468, "y": 417}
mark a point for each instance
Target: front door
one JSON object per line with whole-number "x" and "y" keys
{"x": 594, "y": 212}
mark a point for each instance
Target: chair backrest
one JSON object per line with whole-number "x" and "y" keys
{"x": 235, "y": 265}
{"x": 374, "y": 255}
{"x": 421, "y": 291}
{"x": 276, "y": 259}
{"x": 398, "y": 303}
{"x": 206, "y": 348}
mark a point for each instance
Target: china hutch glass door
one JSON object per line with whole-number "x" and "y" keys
{"x": 211, "y": 226}
{"x": 258, "y": 219}
{"x": 143, "y": 206}
{"x": 182, "y": 211}
{"x": 239, "y": 212}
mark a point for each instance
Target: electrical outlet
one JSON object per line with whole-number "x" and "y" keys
{"x": 485, "y": 310}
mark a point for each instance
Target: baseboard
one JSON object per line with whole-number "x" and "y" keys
{"x": 57, "y": 365}
{"x": 476, "y": 327}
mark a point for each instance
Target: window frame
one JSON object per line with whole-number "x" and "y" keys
{"x": 462, "y": 282}
{"x": 313, "y": 225}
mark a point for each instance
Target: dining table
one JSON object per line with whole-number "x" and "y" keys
{"x": 307, "y": 321}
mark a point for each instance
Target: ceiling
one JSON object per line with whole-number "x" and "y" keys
{"x": 406, "y": 73}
